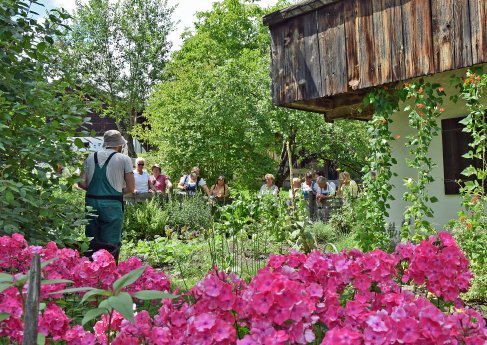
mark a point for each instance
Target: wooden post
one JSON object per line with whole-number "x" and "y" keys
{"x": 31, "y": 312}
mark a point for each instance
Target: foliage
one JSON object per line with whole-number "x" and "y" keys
{"x": 471, "y": 227}
{"x": 144, "y": 220}
{"x": 214, "y": 108}
{"x": 374, "y": 202}
{"x": 189, "y": 217}
{"x": 184, "y": 218}
{"x": 343, "y": 220}
{"x": 323, "y": 232}
{"x": 423, "y": 118}
{"x": 38, "y": 115}
{"x": 295, "y": 299}
{"x": 187, "y": 260}
{"x": 117, "y": 51}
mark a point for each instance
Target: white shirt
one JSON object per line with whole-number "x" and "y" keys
{"x": 118, "y": 166}
{"x": 185, "y": 179}
{"x": 266, "y": 190}
{"x": 141, "y": 182}
{"x": 329, "y": 190}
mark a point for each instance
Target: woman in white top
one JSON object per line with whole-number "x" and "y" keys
{"x": 324, "y": 190}
{"x": 269, "y": 188}
{"x": 142, "y": 181}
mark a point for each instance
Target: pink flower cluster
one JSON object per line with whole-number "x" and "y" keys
{"x": 440, "y": 264}
{"x": 102, "y": 272}
{"x": 350, "y": 297}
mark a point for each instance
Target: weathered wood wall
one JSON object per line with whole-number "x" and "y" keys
{"x": 326, "y": 54}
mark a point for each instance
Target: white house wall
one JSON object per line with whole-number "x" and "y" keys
{"x": 448, "y": 206}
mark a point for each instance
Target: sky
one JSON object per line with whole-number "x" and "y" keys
{"x": 184, "y": 13}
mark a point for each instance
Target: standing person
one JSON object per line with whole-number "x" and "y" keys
{"x": 347, "y": 187}
{"x": 107, "y": 177}
{"x": 161, "y": 182}
{"x": 190, "y": 183}
{"x": 308, "y": 185}
{"x": 142, "y": 180}
{"x": 220, "y": 189}
{"x": 295, "y": 191}
{"x": 324, "y": 191}
{"x": 309, "y": 195}
{"x": 269, "y": 188}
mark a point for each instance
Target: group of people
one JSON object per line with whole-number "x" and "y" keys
{"x": 314, "y": 184}
{"x": 108, "y": 176}
{"x": 188, "y": 183}
{"x": 316, "y": 190}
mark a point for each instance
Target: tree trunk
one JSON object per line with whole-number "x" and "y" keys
{"x": 130, "y": 140}
{"x": 283, "y": 169}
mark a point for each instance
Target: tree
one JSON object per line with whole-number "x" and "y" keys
{"x": 118, "y": 51}
{"x": 214, "y": 108}
{"x": 37, "y": 118}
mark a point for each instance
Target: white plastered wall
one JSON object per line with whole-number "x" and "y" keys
{"x": 448, "y": 205}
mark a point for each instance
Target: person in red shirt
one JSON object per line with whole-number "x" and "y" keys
{"x": 159, "y": 181}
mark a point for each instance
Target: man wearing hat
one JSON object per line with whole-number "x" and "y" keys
{"x": 107, "y": 177}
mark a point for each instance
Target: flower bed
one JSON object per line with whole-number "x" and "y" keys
{"x": 346, "y": 298}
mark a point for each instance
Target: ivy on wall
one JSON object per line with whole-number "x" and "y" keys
{"x": 424, "y": 112}
{"x": 374, "y": 204}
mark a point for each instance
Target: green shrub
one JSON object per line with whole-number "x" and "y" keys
{"x": 342, "y": 219}
{"x": 322, "y": 233}
{"x": 186, "y": 261}
{"x": 189, "y": 216}
{"x": 145, "y": 220}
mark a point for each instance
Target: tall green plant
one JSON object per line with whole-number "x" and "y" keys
{"x": 38, "y": 115}
{"x": 374, "y": 203}
{"x": 423, "y": 118}
{"x": 471, "y": 227}
{"x": 118, "y": 51}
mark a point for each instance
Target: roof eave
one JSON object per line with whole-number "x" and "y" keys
{"x": 294, "y": 11}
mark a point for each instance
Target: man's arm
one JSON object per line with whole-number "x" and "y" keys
{"x": 82, "y": 182}
{"x": 129, "y": 183}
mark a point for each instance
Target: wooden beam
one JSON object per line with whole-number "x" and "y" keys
{"x": 295, "y": 10}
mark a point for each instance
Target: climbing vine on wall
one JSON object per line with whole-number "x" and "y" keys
{"x": 377, "y": 181}
{"x": 426, "y": 108}
{"x": 473, "y": 236}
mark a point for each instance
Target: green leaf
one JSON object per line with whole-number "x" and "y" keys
{"x": 151, "y": 294}
{"x": 55, "y": 281}
{"x": 78, "y": 289}
{"x": 9, "y": 197}
{"x": 4, "y": 287}
{"x": 79, "y": 143}
{"x": 47, "y": 262}
{"x": 127, "y": 279}
{"x": 95, "y": 292}
{"x": 434, "y": 199}
{"x": 5, "y": 277}
{"x": 92, "y": 314}
{"x": 41, "y": 339}
{"x": 123, "y": 304}
{"x": 4, "y": 316}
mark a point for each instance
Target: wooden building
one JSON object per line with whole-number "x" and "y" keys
{"x": 326, "y": 53}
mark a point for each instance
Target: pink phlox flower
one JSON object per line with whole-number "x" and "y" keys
{"x": 342, "y": 336}
{"x": 204, "y": 322}
{"x": 276, "y": 338}
{"x": 53, "y": 322}
{"x": 78, "y": 336}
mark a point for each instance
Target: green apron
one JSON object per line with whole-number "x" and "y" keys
{"x": 107, "y": 202}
